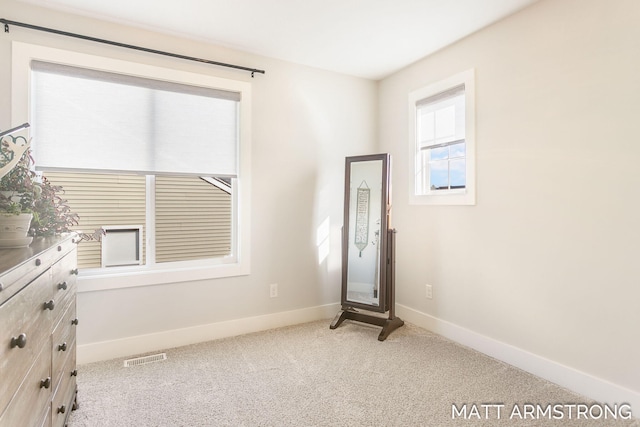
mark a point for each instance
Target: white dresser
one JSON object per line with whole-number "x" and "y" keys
{"x": 38, "y": 333}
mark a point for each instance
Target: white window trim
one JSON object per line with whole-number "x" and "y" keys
{"x": 125, "y": 277}
{"x": 466, "y": 196}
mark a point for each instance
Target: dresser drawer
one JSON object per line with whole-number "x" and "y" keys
{"x": 64, "y": 284}
{"x": 63, "y": 342}
{"x": 65, "y": 246}
{"x": 15, "y": 278}
{"x": 65, "y": 270}
{"x": 34, "y": 394}
{"x": 26, "y": 327}
{"x": 63, "y": 399}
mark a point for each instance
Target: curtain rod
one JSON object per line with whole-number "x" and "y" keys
{"x": 6, "y": 23}
{"x": 15, "y": 129}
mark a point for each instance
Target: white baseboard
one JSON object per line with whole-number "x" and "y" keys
{"x": 580, "y": 382}
{"x": 130, "y": 346}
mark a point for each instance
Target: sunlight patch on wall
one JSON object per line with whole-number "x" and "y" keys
{"x": 322, "y": 240}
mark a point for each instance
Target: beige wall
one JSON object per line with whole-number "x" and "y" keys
{"x": 305, "y": 121}
{"x": 547, "y": 261}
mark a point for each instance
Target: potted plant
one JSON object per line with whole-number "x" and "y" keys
{"x": 29, "y": 204}
{"x": 51, "y": 213}
{"x": 17, "y": 195}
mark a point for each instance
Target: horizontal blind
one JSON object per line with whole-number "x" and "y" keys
{"x": 441, "y": 118}
{"x": 100, "y": 121}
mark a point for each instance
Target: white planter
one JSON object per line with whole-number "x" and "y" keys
{"x": 14, "y": 229}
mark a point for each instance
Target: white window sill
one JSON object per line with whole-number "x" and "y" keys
{"x": 129, "y": 277}
{"x": 444, "y": 198}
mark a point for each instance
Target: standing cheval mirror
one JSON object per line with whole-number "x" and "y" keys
{"x": 368, "y": 242}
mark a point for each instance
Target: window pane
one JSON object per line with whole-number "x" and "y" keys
{"x": 457, "y": 150}
{"x": 439, "y": 153}
{"x": 458, "y": 173}
{"x": 102, "y": 200}
{"x": 193, "y": 219}
{"x": 439, "y": 175}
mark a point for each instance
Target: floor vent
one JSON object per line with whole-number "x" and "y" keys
{"x": 145, "y": 359}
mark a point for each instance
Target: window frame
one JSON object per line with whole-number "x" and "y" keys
{"x": 123, "y": 277}
{"x": 467, "y": 195}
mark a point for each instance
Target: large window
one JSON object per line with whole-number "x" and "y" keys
{"x": 442, "y": 142}
{"x": 143, "y": 152}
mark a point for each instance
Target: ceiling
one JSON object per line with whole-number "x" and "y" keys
{"x": 365, "y": 38}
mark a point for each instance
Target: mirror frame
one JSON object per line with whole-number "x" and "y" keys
{"x": 385, "y": 210}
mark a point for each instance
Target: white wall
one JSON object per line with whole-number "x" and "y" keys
{"x": 545, "y": 266}
{"x": 305, "y": 121}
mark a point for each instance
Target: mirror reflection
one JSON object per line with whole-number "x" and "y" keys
{"x": 364, "y": 228}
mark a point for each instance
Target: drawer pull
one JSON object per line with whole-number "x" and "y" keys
{"x": 38, "y": 262}
{"x": 1, "y": 287}
{"x": 62, "y": 347}
{"x": 75, "y": 322}
{"x": 62, "y": 409}
{"x": 46, "y": 383}
{"x": 50, "y": 305}
{"x": 74, "y": 271}
{"x": 74, "y": 373}
{"x": 62, "y": 286}
{"x": 59, "y": 248}
{"x": 20, "y": 341}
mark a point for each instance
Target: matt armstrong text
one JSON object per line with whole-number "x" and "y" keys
{"x": 537, "y": 411}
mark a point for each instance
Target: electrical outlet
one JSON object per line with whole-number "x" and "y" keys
{"x": 429, "y": 291}
{"x": 273, "y": 290}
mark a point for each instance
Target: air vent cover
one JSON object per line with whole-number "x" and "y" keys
{"x": 145, "y": 359}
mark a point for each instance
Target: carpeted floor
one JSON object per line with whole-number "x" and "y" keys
{"x": 309, "y": 375}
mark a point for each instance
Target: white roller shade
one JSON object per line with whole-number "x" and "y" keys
{"x": 105, "y": 122}
{"x": 441, "y": 118}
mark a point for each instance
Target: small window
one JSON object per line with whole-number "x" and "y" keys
{"x": 442, "y": 142}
